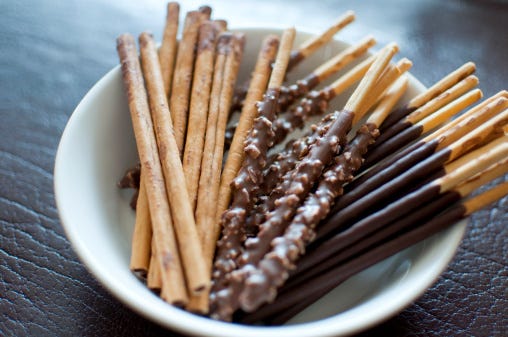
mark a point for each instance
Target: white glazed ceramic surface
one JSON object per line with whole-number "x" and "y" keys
{"x": 96, "y": 148}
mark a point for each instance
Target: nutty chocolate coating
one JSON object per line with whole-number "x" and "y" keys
{"x": 302, "y": 179}
{"x": 245, "y": 187}
{"x": 289, "y": 94}
{"x": 272, "y": 271}
{"x": 315, "y": 103}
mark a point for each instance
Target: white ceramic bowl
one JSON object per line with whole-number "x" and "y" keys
{"x": 96, "y": 148}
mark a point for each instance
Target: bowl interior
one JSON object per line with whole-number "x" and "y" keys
{"x": 98, "y": 146}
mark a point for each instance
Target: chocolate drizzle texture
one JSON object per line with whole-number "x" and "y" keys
{"x": 302, "y": 179}
{"x": 245, "y": 187}
{"x": 273, "y": 269}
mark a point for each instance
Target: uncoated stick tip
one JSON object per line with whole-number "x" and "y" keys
{"x": 124, "y": 38}
{"x": 145, "y": 38}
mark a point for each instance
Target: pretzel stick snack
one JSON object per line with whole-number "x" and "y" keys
{"x": 173, "y": 288}
{"x": 181, "y": 211}
{"x": 281, "y": 166}
{"x": 400, "y": 208}
{"x": 257, "y": 87}
{"x": 434, "y": 104}
{"x": 236, "y": 229}
{"x": 407, "y": 222}
{"x": 462, "y": 169}
{"x": 169, "y": 45}
{"x": 182, "y": 77}
{"x": 314, "y": 103}
{"x": 198, "y": 111}
{"x": 245, "y": 185}
{"x": 289, "y": 94}
{"x": 390, "y": 75}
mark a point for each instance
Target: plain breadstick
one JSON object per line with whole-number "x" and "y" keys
{"x": 173, "y": 288}
{"x": 181, "y": 211}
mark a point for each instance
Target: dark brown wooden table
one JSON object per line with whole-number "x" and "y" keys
{"x": 52, "y": 52}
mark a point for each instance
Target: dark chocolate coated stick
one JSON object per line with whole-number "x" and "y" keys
{"x": 461, "y": 169}
{"x": 419, "y": 114}
{"x": 454, "y": 136}
{"x": 293, "y": 301}
{"x": 374, "y": 236}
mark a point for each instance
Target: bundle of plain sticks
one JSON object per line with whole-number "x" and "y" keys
{"x": 228, "y": 227}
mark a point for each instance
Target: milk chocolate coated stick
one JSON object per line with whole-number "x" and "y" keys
{"x": 315, "y": 103}
{"x": 289, "y": 94}
{"x": 245, "y": 185}
{"x": 306, "y": 49}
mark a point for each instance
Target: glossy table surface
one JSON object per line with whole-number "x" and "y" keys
{"x": 52, "y": 52}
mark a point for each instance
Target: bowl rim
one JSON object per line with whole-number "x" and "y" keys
{"x": 196, "y": 325}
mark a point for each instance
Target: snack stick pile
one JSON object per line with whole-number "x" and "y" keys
{"x": 228, "y": 229}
